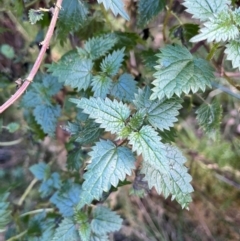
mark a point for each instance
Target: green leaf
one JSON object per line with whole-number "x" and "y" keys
{"x": 184, "y": 32}
{"x": 204, "y": 9}
{"x": 105, "y": 221}
{"x": 98, "y": 46}
{"x": 41, "y": 170}
{"x": 51, "y": 85}
{"x": 148, "y": 143}
{"x": 73, "y": 71}
{"x": 66, "y": 231}
{"x": 109, "y": 164}
{"x": 93, "y": 25}
{"x": 111, "y": 115}
{"x": 72, "y": 15}
{"x": 84, "y": 229}
{"x": 116, "y": 6}
{"x": 37, "y": 132}
{"x": 96, "y": 237}
{"x": 7, "y": 51}
{"x": 31, "y": 99}
{"x": 35, "y": 15}
{"x": 67, "y": 200}
{"x": 89, "y": 134}
{"x": 150, "y": 59}
{"x": 220, "y": 28}
{"x": 40, "y": 228}
{"x": 147, "y": 9}
{"x": 46, "y": 116}
{"x": 233, "y": 53}
{"x": 176, "y": 182}
{"x": 38, "y": 101}
{"x": 12, "y": 127}
{"x": 124, "y": 88}
{"x": 179, "y": 72}
{"x": 160, "y": 114}
{"x": 137, "y": 119}
{"x": 168, "y": 136}
{"x": 209, "y": 118}
{"x": 111, "y": 64}
{"x": 75, "y": 159}
{"x": 101, "y": 85}
{"x": 5, "y": 213}
{"x": 127, "y": 40}
{"x": 48, "y": 185}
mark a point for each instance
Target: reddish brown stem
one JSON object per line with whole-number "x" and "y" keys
{"x": 34, "y": 70}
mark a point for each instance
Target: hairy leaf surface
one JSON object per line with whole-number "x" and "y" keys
{"x": 98, "y": 46}
{"x": 176, "y": 182}
{"x": 46, "y": 116}
{"x": 73, "y": 71}
{"x": 219, "y": 28}
{"x": 51, "y": 85}
{"x": 179, "y": 72}
{"x": 89, "y": 133}
{"x": 105, "y": 221}
{"x": 116, "y": 6}
{"x": 108, "y": 165}
{"x": 124, "y": 88}
{"x": 148, "y": 143}
{"x": 35, "y": 16}
{"x": 84, "y": 229}
{"x": 31, "y": 99}
{"x": 204, "y": 9}
{"x": 66, "y": 231}
{"x": 111, "y": 64}
{"x": 72, "y": 15}
{"x": 111, "y": 115}
{"x": 147, "y": 9}
{"x": 75, "y": 159}
{"x": 209, "y": 117}
{"x": 160, "y": 114}
{"x": 101, "y": 85}
{"x": 233, "y": 53}
{"x": 150, "y": 59}
{"x": 65, "y": 201}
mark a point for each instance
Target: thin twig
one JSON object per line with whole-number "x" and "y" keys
{"x": 17, "y": 237}
{"x": 29, "y": 188}
{"x": 47, "y": 210}
{"x": 168, "y": 13}
{"x": 11, "y": 143}
{"x": 45, "y": 45}
{"x": 196, "y": 47}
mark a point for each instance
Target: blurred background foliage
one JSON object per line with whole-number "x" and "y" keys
{"x": 214, "y": 213}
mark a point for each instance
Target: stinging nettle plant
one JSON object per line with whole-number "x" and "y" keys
{"x": 113, "y": 120}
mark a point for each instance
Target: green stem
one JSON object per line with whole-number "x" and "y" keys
{"x": 201, "y": 98}
{"x": 47, "y": 210}
{"x": 178, "y": 19}
{"x": 11, "y": 143}
{"x": 165, "y": 22}
{"x": 212, "y": 52}
{"x": 27, "y": 5}
{"x": 17, "y": 236}
{"x": 29, "y": 188}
